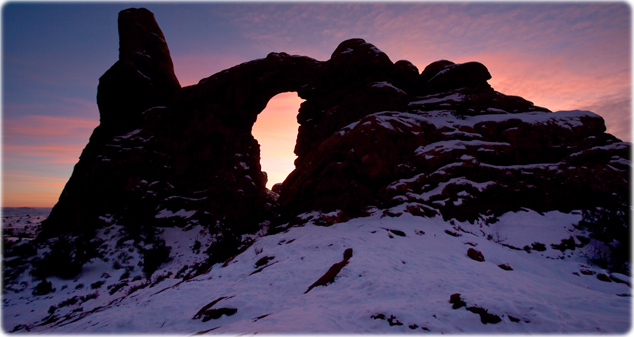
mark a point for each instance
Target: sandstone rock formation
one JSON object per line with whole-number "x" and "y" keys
{"x": 143, "y": 78}
{"x": 372, "y": 133}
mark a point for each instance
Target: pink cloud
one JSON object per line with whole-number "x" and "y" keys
{"x": 552, "y": 82}
{"x": 49, "y": 126}
{"x": 65, "y": 106}
{"x": 34, "y": 179}
{"x": 191, "y": 68}
{"x": 46, "y": 139}
{"x": 44, "y": 154}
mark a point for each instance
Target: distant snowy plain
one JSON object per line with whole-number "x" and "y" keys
{"x": 400, "y": 278}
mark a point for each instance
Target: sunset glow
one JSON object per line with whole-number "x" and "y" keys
{"x": 276, "y": 131}
{"x": 562, "y": 56}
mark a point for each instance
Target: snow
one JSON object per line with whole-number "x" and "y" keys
{"x": 438, "y": 190}
{"x": 128, "y": 135}
{"x": 542, "y": 166}
{"x": 497, "y": 111}
{"x": 144, "y": 76}
{"x": 446, "y": 118}
{"x": 455, "y": 144}
{"x": 565, "y": 119}
{"x": 526, "y": 227}
{"x": 452, "y": 125}
{"x": 409, "y": 276}
{"x": 347, "y": 128}
{"x": 165, "y": 213}
{"x": 387, "y": 85}
{"x": 108, "y": 218}
{"x": 184, "y": 198}
{"x": 158, "y": 36}
{"x": 609, "y": 147}
{"x": 444, "y": 70}
{"x": 458, "y": 133}
{"x": 144, "y": 52}
{"x": 454, "y": 97}
{"x": 374, "y": 49}
{"x": 394, "y": 185}
{"x": 22, "y": 222}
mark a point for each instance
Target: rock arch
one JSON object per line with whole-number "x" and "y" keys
{"x": 165, "y": 155}
{"x": 193, "y": 159}
{"x": 372, "y": 133}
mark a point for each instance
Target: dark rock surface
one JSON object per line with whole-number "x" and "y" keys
{"x": 332, "y": 272}
{"x": 475, "y": 255}
{"x": 175, "y": 156}
{"x": 372, "y": 133}
{"x": 143, "y": 78}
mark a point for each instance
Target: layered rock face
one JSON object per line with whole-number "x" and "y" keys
{"x": 373, "y": 134}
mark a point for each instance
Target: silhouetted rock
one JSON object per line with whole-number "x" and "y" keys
{"x": 456, "y": 76}
{"x": 432, "y": 69}
{"x": 373, "y": 134}
{"x": 192, "y": 160}
{"x": 406, "y": 76}
{"x": 103, "y": 180}
{"x": 144, "y": 75}
{"x": 354, "y": 83}
{"x": 277, "y": 188}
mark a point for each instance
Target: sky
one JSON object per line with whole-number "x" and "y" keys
{"x": 559, "y": 55}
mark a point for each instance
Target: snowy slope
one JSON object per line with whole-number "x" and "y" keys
{"x": 399, "y": 279}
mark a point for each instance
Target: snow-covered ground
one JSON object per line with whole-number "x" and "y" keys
{"x": 22, "y": 222}
{"x": 400, "y": 278}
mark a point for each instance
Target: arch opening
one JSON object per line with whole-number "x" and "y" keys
{"x": 276, "y": 130}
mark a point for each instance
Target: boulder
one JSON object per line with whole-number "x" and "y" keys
{"x": 406, "y": 76}
{"x": 432, "y": 69}
{"x": 475, "y": 255}
{"x": 456, "y": 76}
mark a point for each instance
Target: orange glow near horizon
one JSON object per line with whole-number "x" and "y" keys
{"x": 39, "y": 153}
{"x": 30, "y": 190}
{"x": 276, "y": 131}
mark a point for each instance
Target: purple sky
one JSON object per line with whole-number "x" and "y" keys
{"x": 562, "y": 56}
